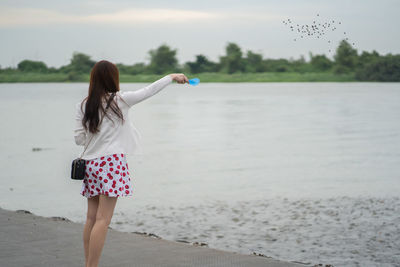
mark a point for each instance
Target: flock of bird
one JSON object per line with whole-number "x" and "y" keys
{"x": 316, "y": 29}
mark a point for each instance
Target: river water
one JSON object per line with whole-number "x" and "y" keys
{"x": 303, "y": 172}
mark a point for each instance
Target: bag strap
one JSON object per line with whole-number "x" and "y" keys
{"x": 108, "y": 104}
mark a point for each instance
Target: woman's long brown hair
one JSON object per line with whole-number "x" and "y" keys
{"x": 104, "y": 79}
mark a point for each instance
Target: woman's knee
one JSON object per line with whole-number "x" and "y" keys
{"x": 106, "y": 209}
{"x": 102, "y": 218}
{"x": 91, "y": 219}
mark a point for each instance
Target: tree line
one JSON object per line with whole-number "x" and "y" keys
{"x": 365, "y": 66}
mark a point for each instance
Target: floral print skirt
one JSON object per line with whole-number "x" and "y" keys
{"x": 108, "y": 175}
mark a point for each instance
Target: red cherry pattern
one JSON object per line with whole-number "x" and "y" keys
{"x": 101, "y": 178}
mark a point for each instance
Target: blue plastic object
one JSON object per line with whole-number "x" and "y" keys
{"x": 194, "y": 81}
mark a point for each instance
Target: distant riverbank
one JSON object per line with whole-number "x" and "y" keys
{"x": 24, "y": 77}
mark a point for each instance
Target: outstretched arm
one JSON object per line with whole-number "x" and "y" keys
{"x": 134, "y": 97}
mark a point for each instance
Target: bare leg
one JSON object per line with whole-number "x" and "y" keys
{"x": 99, "y": 231}
{"x": 93, "y": 203}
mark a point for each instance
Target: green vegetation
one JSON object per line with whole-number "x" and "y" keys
{"x": 234, "y": 66}
{"x": 253, "y": 77}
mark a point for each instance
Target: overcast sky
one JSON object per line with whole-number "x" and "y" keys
{"x": 124, "y": 31}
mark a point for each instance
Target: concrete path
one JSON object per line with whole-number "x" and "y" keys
{"x": 30, "y": 240}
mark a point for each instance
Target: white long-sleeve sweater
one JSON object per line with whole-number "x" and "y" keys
{"x": 118, "y": 137}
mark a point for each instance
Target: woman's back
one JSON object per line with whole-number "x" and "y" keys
{"x": 115, "y": 136}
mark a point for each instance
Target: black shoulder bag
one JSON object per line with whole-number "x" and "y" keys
{"x": 79, "y": 165}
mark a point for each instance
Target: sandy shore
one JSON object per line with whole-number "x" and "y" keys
{"x": 30, "y": 240}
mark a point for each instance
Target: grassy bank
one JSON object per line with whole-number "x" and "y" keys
{"x": 204, "y": 77}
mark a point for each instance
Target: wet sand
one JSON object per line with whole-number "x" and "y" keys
{"x": 30, "y": 240}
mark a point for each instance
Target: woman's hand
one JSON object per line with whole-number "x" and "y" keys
{"x": 179, "y": 78}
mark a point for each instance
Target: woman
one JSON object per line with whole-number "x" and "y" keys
{"x": 106, "y": 146}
